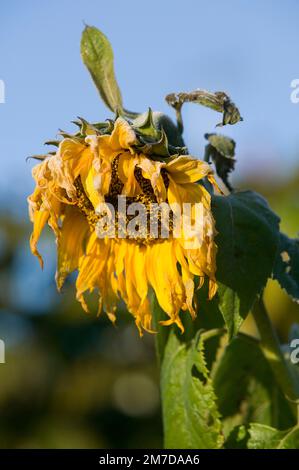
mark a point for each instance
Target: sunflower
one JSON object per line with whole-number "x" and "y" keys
{"x": 98, "y": 167}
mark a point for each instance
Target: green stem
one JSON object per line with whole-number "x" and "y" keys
{"x": 271, "y": 349}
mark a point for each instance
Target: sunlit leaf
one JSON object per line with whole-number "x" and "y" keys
{"x": 191, "y": 418}
{"x": 265, "y": 437}
{"x": 97, "y": 55}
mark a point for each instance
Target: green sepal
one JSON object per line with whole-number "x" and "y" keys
{"x": 145, "y": 126}
{"x": 55, "y": 143}
{"x": 38, "y": 157}
{"x": 98, "y": 128}
{"x": 157, "y": 135}
{"x": 66, "y": 135}
{"x": 158, "y": 147}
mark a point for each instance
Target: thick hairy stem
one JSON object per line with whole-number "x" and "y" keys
{"x": 271, "y": 349}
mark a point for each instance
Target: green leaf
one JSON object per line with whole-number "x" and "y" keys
{"x": 230, "y": 307}
{"x": 265, "y": 437}
{"x": 246, "y": 387}
{"x": 97, "y": 55}
{"x": 286, "y": 269}
{"x": 191, "y": 419}
{"x": 222, "y": 151}
{"x": 248, "y": 237}
{"x": 223, "y": 144}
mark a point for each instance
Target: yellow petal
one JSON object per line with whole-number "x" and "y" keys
{"x": 89, "y": 183}
{"x": 212, "y": 288}
{"x": 73, "y": 232}
{"x": 122, "y": 138}
{"x": 214, "y": 183}
{"x": 152, "y": 170}
{"x": 126, "y": 167}
{"x": 132, "y": 282}
{"x": 189, "y": 193}
{"x": 43, "y": 208}
{"x": 185, "y": 169}
{"x": 162, "y": 273}
{"x": 91, "y": 266}
{"x": 70, "y": 160}
{"x": 40, "y": 218}
{"x": 136, "y": 272}
{"x": 187, "y": 278}
{"x": 143, "y": 318}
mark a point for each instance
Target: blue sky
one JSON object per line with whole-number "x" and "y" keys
{"x": 246, "y": 48}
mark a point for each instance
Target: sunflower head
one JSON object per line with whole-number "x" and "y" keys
{"x": 131, "y": 214}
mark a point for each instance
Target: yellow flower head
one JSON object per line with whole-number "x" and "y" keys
{"x": 88, "y": 192}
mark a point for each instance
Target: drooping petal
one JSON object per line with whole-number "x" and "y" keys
{"x": 70, "y": 247}
{"x": 186, "y": 169}
{"x": 40, "y": 218}
{"x": 151, "y": 170}
{"x": 126, "y": 168}
{"x": 187, "y": 278}
{"x": 92, "y": 187}
{"x": 122, "y": 138}
{"x": 91, "y": 266}
{"x": 185, "y": 193}
{"x": 132, "y": 282}
{"x": 163, "y": 275}
{"x": 70, "y": 160}
{"x": 43, "y": 208}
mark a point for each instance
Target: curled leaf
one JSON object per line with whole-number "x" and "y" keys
{"x": 221, "y": 150}
{"x": 219, "y": 101}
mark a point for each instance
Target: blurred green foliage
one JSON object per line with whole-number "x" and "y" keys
{"x": 70, "y": 380}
